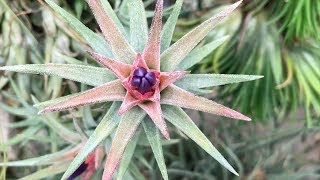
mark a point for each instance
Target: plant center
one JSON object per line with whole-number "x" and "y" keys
{"x": 143, "y": 80}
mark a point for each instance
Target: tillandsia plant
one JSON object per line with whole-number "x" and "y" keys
{"x": 144, "y": 84}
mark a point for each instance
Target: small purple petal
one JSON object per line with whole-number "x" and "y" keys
{"x": 151, "y": 77}
{"x": 140, "y": 72}
{"x": 78, "y": 172}
{"x": 144, "y": 86}
{"x": 136, "y": 81}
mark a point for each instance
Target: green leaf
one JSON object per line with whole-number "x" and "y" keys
{"x": 48, "y": 171}
{"x": 153, "y": 136}
{"x": 90, "y": 75}
{"x": 127, "y": 155}
{"x": 38, "y": 161}
{"x": 138, "y": 25}
{"x": 60, "y": 129}
{"x": 96, "y": 41}
{"x": 183, "y": 122}
{"x": 103, "y": 130}
{"x": 192, "y": 82}
{"x": 169, "y": 26}
{"x": 126, "y": 129}
{"x": 179, "y": 50}
{"x": 24, "y": 135}
{"x": 107, "y": 7}
{"x": 197, "y": 54}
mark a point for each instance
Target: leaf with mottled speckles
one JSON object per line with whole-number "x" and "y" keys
{"x": 112, "y": 91}
{"x": 90, "y": 75}
{"x": 197, "y": 54}
{"x": 153, "y": 136}
{"x": 183, "y": 122}
{"x": 119, "y": 45}
{"x": 126, "y": 129}
{"x": 151, "y": 53}
{"x": 127, "y": 155}
{"x": 193, "y": 82}
{"x": 169, "y": 26}
{"x": 138, "y": 25}
{"x": 176, "y": 96}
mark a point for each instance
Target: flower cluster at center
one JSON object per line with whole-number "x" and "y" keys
{"x": 143, "y": 80}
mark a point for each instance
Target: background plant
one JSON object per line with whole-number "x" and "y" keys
{"x": 296, "y": 79}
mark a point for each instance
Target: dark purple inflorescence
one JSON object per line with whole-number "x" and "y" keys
{"x": 143, "y": 80}
{"x": 78, "y": 172}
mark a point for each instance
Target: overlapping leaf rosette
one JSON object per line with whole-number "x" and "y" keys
{"x": 147, "y": 84}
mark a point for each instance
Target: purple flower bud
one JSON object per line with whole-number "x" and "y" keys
{"x": 136, "y": 81}
{"x": 140, "y": 72}
{"x": 143, "y": 80}
{"x": 144, "y": 86}
{"x": 151, "y": 77}
{"x": 78, "y": 172}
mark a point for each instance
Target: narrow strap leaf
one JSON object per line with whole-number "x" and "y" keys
{"x": 179, "y": 50}
{"x": 48, "y": 171}
{"x": 138, "y": 25}
{"x": 153, "y": 136}
{"x": 193, "y": 82}
{"x": 90, "y": 75}
{"x": 126, "y": 129}
{"x": 108, "y": 8}
{"x": 120, "y": 47}
{"x": 153, "y": 109}
{"x": 152, "y": 51}
{"x": 121, "y": 70}
{"x": 198, "y": 54}
{"x": 168, "y": 28}
{"x": 183, "y": 122}
{"x": 102, "y": 131}
{"x": 112, "y": 91}
{"x": 127, "y": 155}
{"x": 47, "y": 159}
{"x": 94, "y": 40}
{"x": 176, "y": 96}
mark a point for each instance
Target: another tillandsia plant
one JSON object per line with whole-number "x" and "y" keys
{"x": 145, "y": 79}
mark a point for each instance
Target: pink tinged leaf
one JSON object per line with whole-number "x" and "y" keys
{"x": 112, "y": 91}
{"x": 153, "y": 109}
{"x": 179, "y": 50}
{"x": 118, "y": 43}
{"x": 126, "y": 129}
{"x": 140, "y": 62}
{"x": 99, "y": 153}
{"x": 128, "y": 102}
{"x": 121, "y": 70}
{"x": 167, "y": 78}
{"x": 151, "y": 52}
{"x": 176, "y": 96}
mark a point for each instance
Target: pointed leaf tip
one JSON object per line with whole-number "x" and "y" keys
{"x": 152, "y": 50}
{"x": 176, "y": 96}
